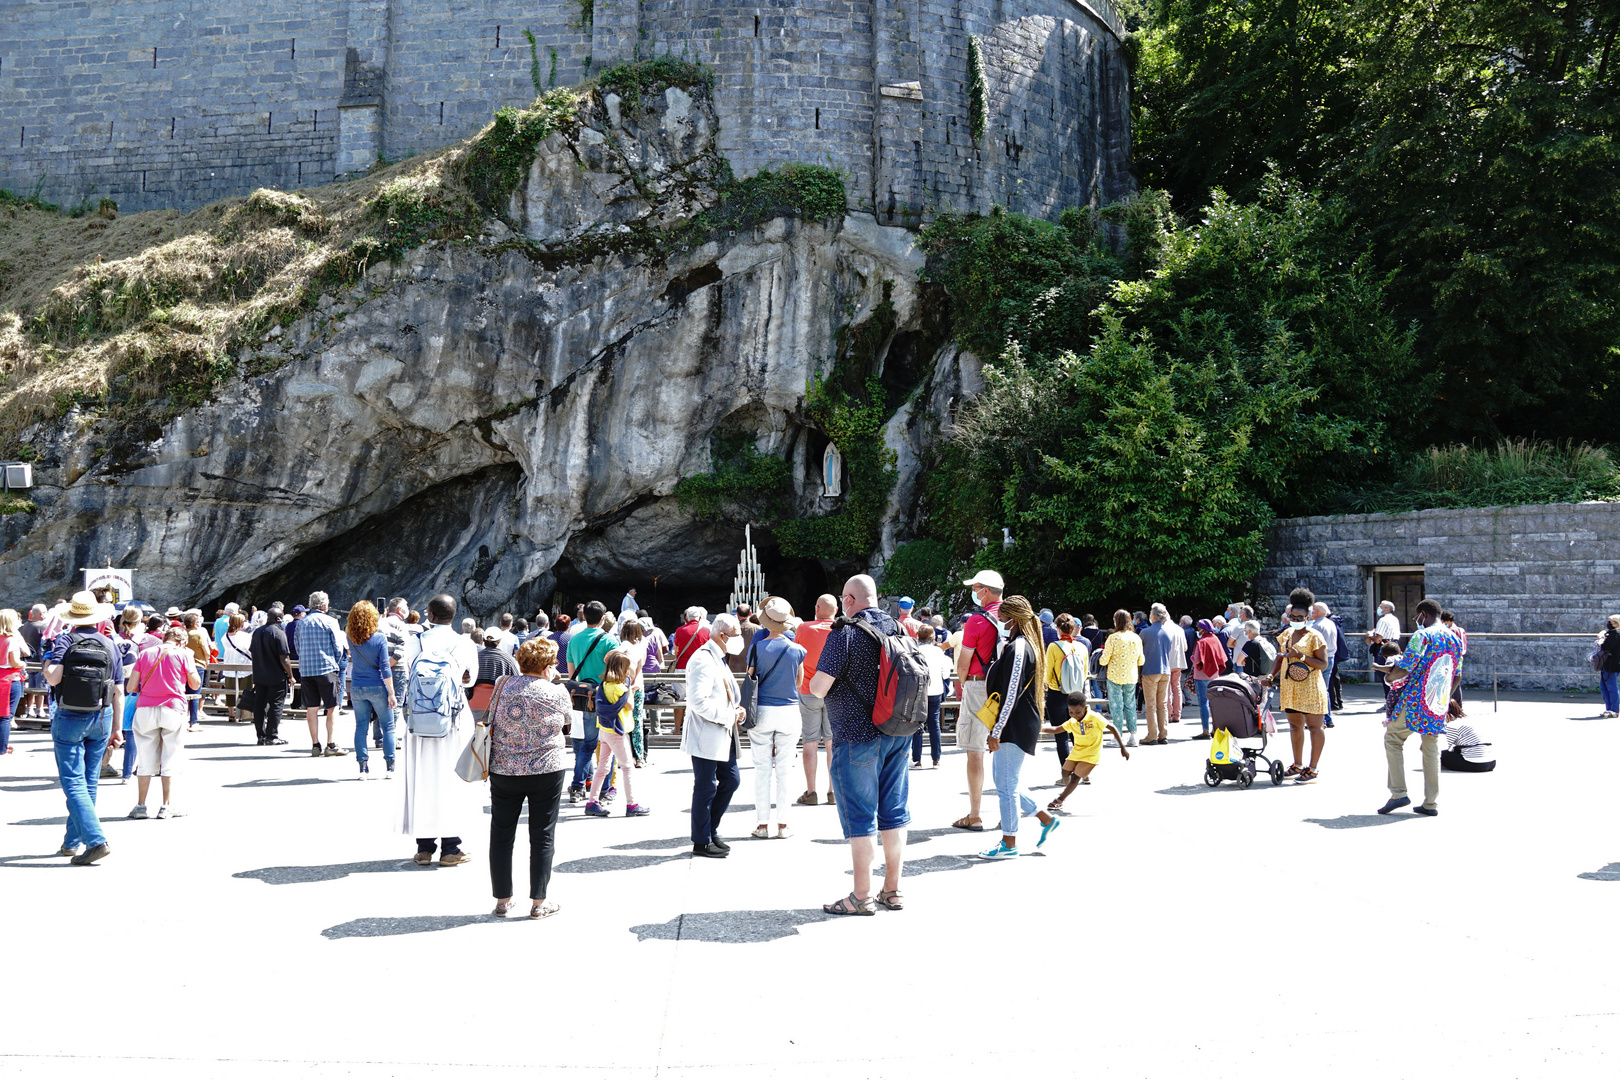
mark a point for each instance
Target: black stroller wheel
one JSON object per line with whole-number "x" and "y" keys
{"x": 1244, "y": 778}
{"x": 1212, "y": 776}
{"x": 1277, "y": 773}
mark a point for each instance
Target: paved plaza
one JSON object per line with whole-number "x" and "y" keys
{"x": 1169, "y": 929}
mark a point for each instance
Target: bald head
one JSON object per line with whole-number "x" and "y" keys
{"x": 860, "y": 593}
{"x": 826, "y": 606}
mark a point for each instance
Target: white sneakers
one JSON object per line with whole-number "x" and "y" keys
{"x": 1132, "y": 740}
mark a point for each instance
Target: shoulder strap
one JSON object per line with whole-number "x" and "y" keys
{"x": 592, "y": 650}
{"x": 773, "y": 667}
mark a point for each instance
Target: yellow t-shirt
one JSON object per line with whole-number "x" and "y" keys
{"x": 1088, "y": 733}
{"x": 1054, "y": 662}
{"x": 1122, "y": 655}
{"x": 616, "y": 692}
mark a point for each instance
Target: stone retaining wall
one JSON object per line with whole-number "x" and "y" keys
{"x": 176, "y": 103}
{"x": 1502, "y": 569}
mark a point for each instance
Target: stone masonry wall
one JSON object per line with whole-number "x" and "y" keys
{"x": 175, "y": 103}
{"x": 1503, "y": 570}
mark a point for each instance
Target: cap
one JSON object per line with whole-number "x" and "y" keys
{"x": 907, "y": 602}
{"x": 987, "y": 578}
{"x": 299, "y": 609}
{"x": 1047, "y": 617}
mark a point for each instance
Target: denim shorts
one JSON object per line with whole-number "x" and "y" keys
{"x": 873, "y": 782}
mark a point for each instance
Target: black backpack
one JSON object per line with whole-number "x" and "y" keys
{"x": 87, "y": 675}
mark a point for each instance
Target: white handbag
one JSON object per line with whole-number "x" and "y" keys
{"x": 473, "y": 765}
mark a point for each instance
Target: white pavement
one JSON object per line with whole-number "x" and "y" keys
{"x": 1170, "y": 929}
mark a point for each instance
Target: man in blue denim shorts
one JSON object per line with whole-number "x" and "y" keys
{"x": 869, "y": 769}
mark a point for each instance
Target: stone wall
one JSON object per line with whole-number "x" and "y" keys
{"x": 1502, "y": 569}
{"x": 175, "y": 103}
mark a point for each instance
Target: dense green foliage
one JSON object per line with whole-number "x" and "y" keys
{"x": 812, "y": 192}
{"x": 1256, "y": 362}
{"x": 1508, "y": 474}
{"x": 743, "y": 485}
{"x": 1472, "y": 140}
{"x": 497, "y": 161}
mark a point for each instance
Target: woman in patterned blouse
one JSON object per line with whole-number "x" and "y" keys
{"x": 528, "y": 759}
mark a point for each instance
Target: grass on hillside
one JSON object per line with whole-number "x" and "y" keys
{"x": 1511, "y": 473}
{"x": 142, "y": 315}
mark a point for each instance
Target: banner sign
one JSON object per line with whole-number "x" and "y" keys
{"x": 119, "y": 581}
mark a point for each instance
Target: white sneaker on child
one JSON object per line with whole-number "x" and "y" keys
{"x": 1132, "y": 740}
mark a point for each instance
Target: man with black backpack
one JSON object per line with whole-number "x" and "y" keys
{"x": 858, "y": 674}
{"x": 86, "y": 671}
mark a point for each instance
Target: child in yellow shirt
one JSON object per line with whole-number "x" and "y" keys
{"x": 613, "y": 730}
{"x": 1087, "y": 728}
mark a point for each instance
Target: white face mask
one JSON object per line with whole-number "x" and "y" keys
{"x": 734, "y": 645}
{"x": 1296, "y": 621}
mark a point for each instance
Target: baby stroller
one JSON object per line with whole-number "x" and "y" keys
{"x": 1236, "y": 705}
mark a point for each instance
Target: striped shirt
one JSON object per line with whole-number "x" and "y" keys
{"x": 1466, "y": 739}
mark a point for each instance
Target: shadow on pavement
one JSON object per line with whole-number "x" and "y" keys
{"x": 1608, "y": 873}
{"x": 295, "y": 875}
{"x": 732, "y": 927}
{"x": 734, "y": 808}
{"x": 409, "y": 924}
{"x": 1261, "y": 783}
{"x": 37, "y": 786}
{"x": 63, "y": 820}
{"x": 1360, "y": 821}
{"x": 601, "y": 864}
{"x": 281, "y": 783}
{"x": 654, "y": 845}
{"x": 32, "y": 862}
{"x": 913, "y": 836}
{"x": 272, "y": 756}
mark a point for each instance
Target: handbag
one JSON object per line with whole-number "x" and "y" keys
{"x": 990, "y": 710}
{"x": 750, "y": 693}
{"x": 583, "y": 691}
{"x": 473, "y": 764}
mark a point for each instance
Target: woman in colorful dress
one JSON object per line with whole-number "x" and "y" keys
{"x": 1301, "y": 659}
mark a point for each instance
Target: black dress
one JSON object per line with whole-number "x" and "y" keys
{"x": 1017, "y": 661}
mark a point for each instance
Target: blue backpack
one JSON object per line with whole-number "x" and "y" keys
{"x": 434, "y": 698}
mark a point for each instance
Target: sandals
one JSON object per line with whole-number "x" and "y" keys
{"x": 1054, "y": 806}
{"x": 761, "y": 832}
{"x": 1293, "y": 770}
{"x": 545, "y": 909}
{"x": 807, "y": 799}
{"x": 1307, "y": 774}
{"x": 971, "y": 824}
{"x": 501, "y": 908}
{"x": 851, "y": 906}
{"x": 891, "y": 899}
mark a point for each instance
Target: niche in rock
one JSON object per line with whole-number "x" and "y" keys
{"x": 456, "y": 537}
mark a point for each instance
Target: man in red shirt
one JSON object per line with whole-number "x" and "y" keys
{"x": 691, "y": 637}
{"x": 907, "y": 623}
{"x": 980, "y": 635}
{"x": 813, "y": 710}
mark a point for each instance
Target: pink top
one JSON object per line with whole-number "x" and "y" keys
{"x": 162, "y": 677}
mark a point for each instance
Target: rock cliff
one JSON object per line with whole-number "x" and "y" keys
{"x": 483, "y": 414}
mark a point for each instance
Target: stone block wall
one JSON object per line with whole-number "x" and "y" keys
{"x": 175, "y": 103}
{"x": 1503, "y": 570}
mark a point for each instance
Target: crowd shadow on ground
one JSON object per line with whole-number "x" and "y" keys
{"x": 1610, "y": 872}
{"x": 299, "y": 875}
{"x": 913, "y": 836}
{"x": 406, "y": 924}
{"x": 300, "y": 781}
{"x": 732, "y": 927}
{"x": 1360, "y": 821}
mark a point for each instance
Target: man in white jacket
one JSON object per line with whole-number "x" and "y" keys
{"x": 713, "y": 711}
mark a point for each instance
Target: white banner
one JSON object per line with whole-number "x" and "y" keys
{"x": 119, "y": 581}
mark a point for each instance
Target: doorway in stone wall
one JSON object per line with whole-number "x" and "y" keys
{"x": 1401, "y": 586}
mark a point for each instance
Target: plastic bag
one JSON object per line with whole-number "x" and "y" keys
{"x": 1220, "y": 747}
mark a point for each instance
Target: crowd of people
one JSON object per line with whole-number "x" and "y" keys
{"x": 564, "y": 705}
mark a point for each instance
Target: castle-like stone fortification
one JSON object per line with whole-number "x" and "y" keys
{"x": 174, "y": 103}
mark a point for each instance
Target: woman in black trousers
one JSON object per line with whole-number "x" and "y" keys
{"x": 528, "y": 760}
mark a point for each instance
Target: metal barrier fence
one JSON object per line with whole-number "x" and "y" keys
{"x": 1566, "y": 668}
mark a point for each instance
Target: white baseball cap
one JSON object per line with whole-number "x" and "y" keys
{"x": 989, "y": 579}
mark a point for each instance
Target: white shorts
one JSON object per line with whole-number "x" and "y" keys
{"x": 971, "y": 734}
{"x": 158, "y": 732}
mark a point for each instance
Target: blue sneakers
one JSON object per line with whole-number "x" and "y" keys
{"x": 999, "y": 852}
{"x": 1046, "y": 830}
{"x": 633, "y": 810}
{"x": 595, "y": 809}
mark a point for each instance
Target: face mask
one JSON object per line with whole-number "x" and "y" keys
{"x": 1296, "y": 621}
{"x": 734, "y": 645}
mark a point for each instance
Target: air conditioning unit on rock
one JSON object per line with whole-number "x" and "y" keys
{"x": 18, "y": 475}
